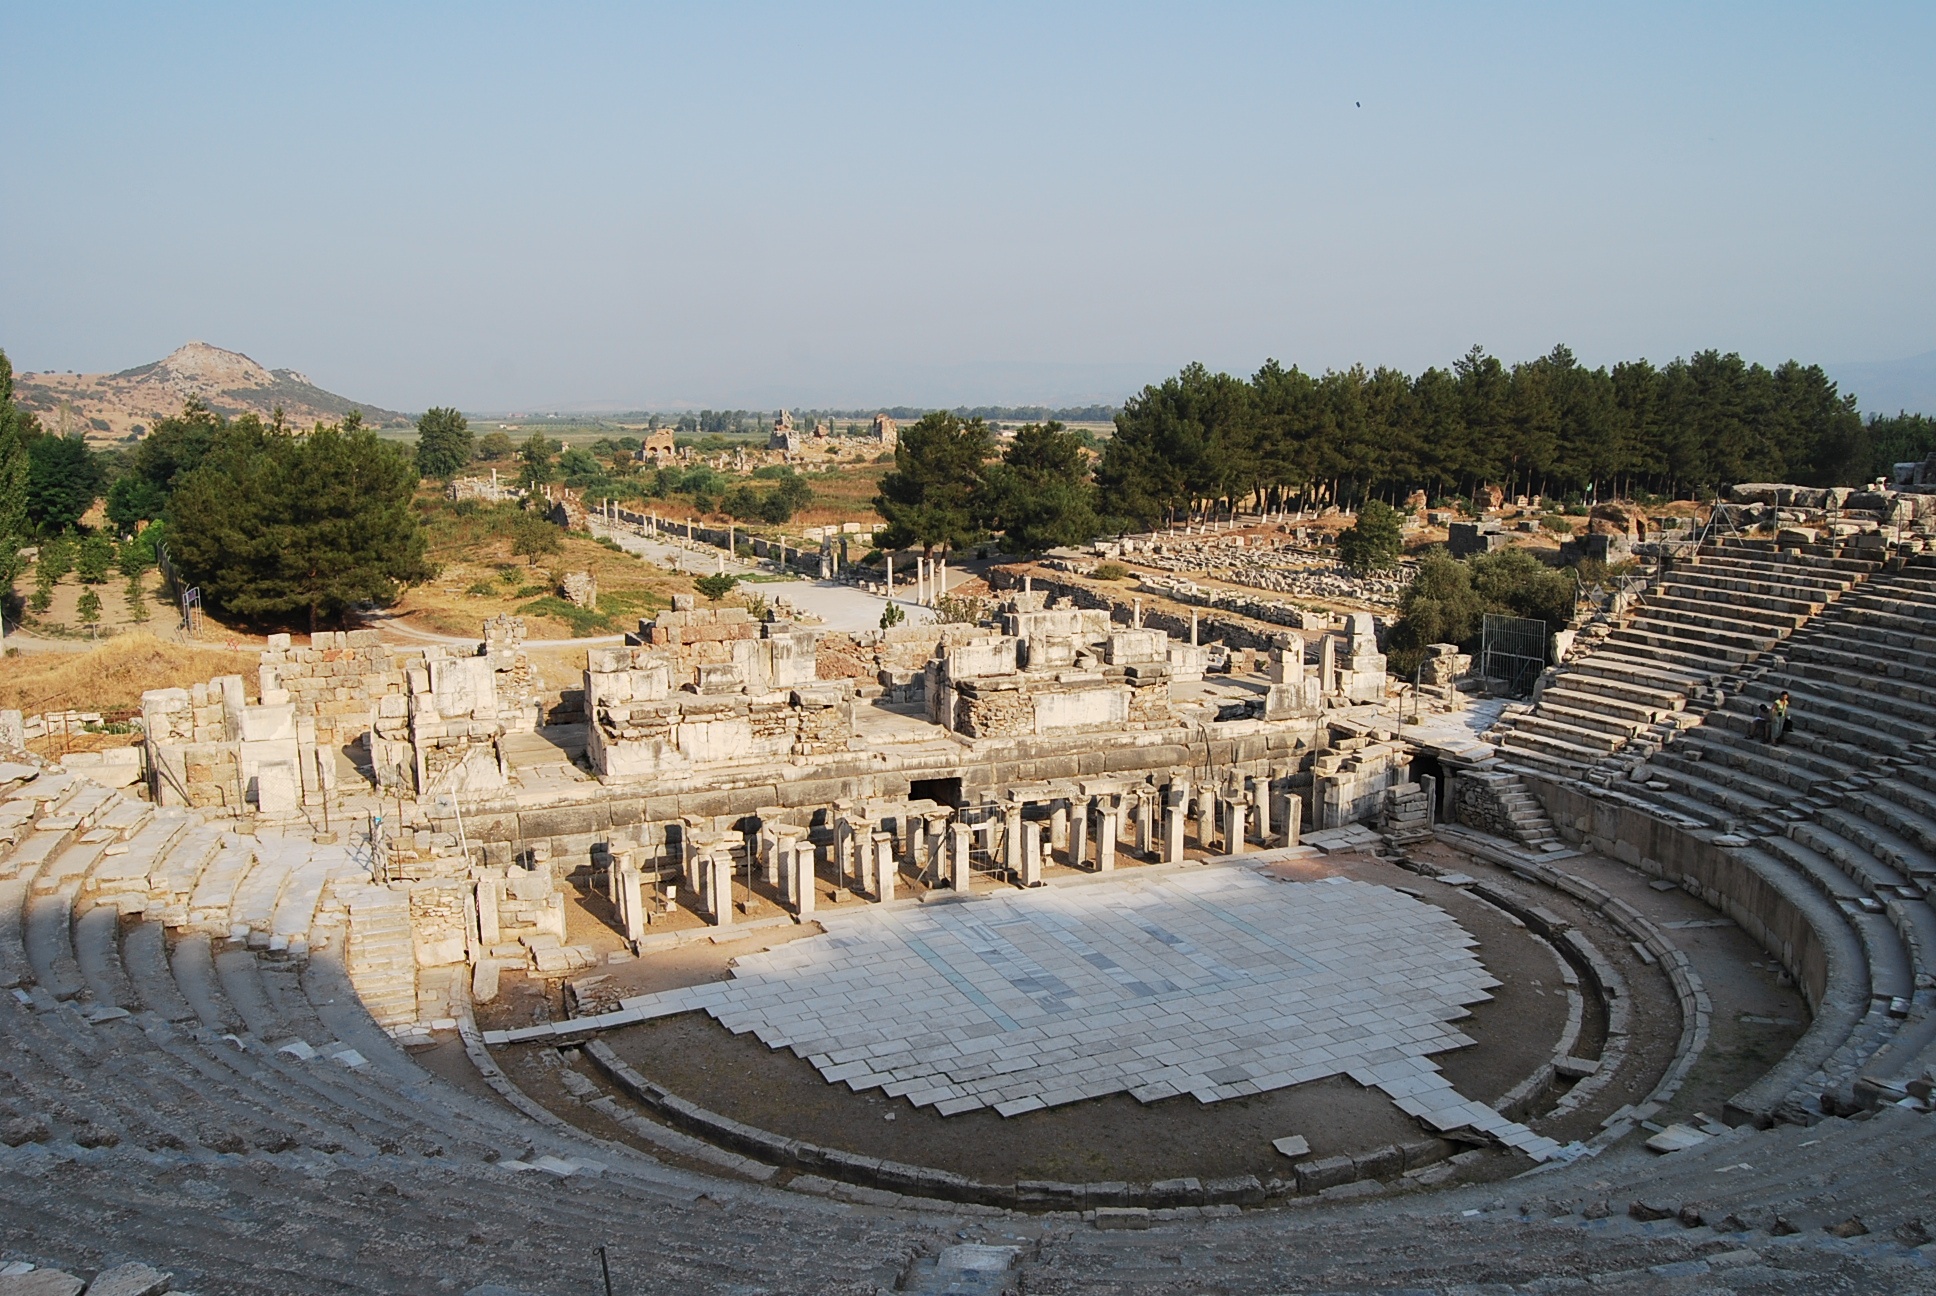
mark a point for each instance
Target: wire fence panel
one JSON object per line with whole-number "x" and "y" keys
{"x": 1512, "y": 653}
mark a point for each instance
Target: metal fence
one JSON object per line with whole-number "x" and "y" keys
{"x": 1512, "y": 653}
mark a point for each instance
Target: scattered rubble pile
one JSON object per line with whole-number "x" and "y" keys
{"x": 1809, "y": 514}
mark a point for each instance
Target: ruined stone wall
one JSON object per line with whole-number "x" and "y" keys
{"x": 1121, "y": 610}
{"x": 1476, "y": 804}
{"x": 1350, "y": 780}
{"x": 336, "y": 680}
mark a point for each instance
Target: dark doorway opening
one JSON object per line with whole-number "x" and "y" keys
{"x": 941, "y": 791}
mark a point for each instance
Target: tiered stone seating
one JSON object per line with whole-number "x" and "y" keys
{"x": 1846, "y": 801}
{"x": 233, "y": 1114}
{"x": 1734, "y": 601}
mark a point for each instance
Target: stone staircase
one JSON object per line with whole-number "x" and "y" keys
{"x": 1688, "y": 639}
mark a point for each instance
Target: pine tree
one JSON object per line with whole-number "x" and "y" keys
{"x": 443, "y": 442}
{"x": 931, "y": 495}
{"x": 273, "y": 525}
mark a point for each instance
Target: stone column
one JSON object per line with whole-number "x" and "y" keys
{"x": 768, "y": 843}
{"x": 631, "y": 897}
{"x": 1108, "y": 812}
{"x": 721, "y": 861}
{"x": 962, "y": 837}
{"x": 1206, "y": 819}
{"x": 917, "y": 844}
{"x": 785, "y": 846}
{"x": 1059, "y": 826}
{"x": 1079, "y": 833}
{"x": 1290, "y": 814}
{"x": 1431, "y": 786}
{"x": 1234, "y": 810}
{"x": 843, "y": 844}
{"x": 1015, "y": 847}
{"x": 804, "y": 895}
{"x": 940, "y": 836}
{"x": 1327, "y": 665}
{"x": 1145, "y": 822}
{"x": 697, "y": 877}
{"x": 866, "y": 855}
{"x": 1031, "y": 870}
{"x": 488, "y": 931}
{"x": 884, "y": 866}
{"x": 1260, "y": 797}
{"x": 1176, "y": 811}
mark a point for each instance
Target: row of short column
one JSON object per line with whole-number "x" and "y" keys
{"x": 939, "y": 845}
{"x": 1245, "y": 809}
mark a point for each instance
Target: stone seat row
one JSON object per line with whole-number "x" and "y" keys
{"x": 1704, "y": 620}
{"x": 211, "y": 1048}
{"x": 207, "y": 1148}
{"x": 1847, "y": 803}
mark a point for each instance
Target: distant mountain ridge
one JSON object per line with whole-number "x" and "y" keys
{"x": 111, "y": 406}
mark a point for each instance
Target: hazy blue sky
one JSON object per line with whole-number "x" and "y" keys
{"x": 532, "y": 207}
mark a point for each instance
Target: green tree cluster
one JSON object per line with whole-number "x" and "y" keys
{"x": 1899, "y": 438}
{"x": 274, "y": 526}
{"x": 716, "y": 587}
{"x": 17, "y": 427}
{"x": 1551, "y": 426}
{"x": 534, "y": 463}
{"x": 64, "y": 478}
{"x": 933, "y": 495}
{"x": 1448, "y": 600}
{"x": 790, "y": 494}
{"x": 944, "y": 491}
{"x": 1040, "y": 496}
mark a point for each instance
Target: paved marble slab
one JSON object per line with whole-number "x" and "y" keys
{"x": 1216, "y": 983}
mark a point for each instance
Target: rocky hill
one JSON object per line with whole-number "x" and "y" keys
{"x": 112, "y": 406}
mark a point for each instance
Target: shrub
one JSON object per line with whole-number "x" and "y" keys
{"x": 1108, "y": 571}
{"x": 532, "y": 537}
{"x": 958, "y": 609}
{"x": 95, "y": 559}
{"x": 1374, "y": 541}
{"x": 891, "y": 616}
{"x": 1557, "y": 525}
{"x": 90, "y": 606}
{"x": 716, "y": 587}
{"x": 481, "y": 589}
{"x": 56, "y": 559}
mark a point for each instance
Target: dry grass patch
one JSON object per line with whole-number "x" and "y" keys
{"x": 111, "y": 678}
{"x": 480, "y": 576}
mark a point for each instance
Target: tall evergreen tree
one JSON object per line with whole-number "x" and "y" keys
{"x": 16, "y": 428}
{"x": 443, "y": 442}
{"x": 274, "y": 526}
{"x": 63, "y": 479}
{"x": 931, "y": 496}
{"x": 1040, "y": 496}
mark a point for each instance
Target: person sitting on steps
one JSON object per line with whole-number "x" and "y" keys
{"x": 1759, "y": 729}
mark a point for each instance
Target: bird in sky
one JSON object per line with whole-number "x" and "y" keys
{"x": 1356, "y": 104}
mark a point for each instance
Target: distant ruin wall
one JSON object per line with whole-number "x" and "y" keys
{"x": 1121, "y": 609}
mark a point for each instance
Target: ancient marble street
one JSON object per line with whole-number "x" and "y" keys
{"x": 1215, "y": 982}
